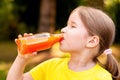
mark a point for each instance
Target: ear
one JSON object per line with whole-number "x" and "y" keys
{"x": 93, "y": 41}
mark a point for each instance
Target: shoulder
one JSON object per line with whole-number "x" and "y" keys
{"x": 55, "y": 61}
{"x": 47, "y": 67}
{"x": 49, "y": 64}
{"x": 102, "y": 74}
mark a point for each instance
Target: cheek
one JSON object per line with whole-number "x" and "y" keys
{"x": 67, "y": 44}
{"x": 76, "y": 40}
{"x": 70, "y": 43}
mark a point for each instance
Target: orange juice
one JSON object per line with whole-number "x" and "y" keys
{"x": 37, "y": 42}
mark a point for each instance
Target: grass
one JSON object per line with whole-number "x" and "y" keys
{"x": 2, "y": 75}
{"x": 4, "y": 67}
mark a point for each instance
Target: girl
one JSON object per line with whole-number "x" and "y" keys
{"x": 88, "y": 34}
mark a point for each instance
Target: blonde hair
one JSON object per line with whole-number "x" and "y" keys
{"x": 100, "y": 24}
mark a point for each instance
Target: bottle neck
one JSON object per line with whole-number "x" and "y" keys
{"x": 58, "y": 37}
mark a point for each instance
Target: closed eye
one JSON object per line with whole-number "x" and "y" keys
{"x": 73, "y": 26}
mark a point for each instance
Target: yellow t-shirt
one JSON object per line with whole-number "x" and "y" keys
{"x": 57, "y": 69}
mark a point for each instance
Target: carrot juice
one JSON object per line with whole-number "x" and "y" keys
{"x": 37, "y": 42}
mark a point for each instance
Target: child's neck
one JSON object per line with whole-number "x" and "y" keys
{"x": 80, "y": 62}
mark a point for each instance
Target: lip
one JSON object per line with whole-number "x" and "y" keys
{"x": 62, "y": 38}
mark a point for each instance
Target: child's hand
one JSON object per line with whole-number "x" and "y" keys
{"x": 29, "y": 55}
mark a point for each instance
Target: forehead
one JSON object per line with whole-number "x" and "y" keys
{"x": 74, "y": 14}
{"x": 74, "y": 17}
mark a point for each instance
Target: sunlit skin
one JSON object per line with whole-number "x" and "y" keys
{"x": 77, "y": 42}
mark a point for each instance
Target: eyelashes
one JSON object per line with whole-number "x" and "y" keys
{"x": 73, "y": 26}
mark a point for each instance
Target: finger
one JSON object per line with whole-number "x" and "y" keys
{"x": 35, "y": 53}
{"x": 25, "y": 34}
{"x": 19, "y": 36}
{"x": 16, "y": 40}
{"x": 30, "y": 34}
{"x": 30, "y": 55}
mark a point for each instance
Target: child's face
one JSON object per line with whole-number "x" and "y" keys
{"x": 75, "y": 34}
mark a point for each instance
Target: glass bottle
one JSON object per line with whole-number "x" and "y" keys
{"x": 37, "y": 42}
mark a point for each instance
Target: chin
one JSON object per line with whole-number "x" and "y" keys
{"x": 64, "y": 50}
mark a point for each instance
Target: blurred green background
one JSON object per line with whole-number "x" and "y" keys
{"x": 34, "y": 16}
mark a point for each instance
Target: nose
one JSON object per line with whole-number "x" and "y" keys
{"x": 63, "y": 30}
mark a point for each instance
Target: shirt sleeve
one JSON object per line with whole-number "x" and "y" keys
{"x": 37, "y": 72}
{"x": 107, "y": 78}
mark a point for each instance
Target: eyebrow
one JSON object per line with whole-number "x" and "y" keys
{"x": 72, "y": 22}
